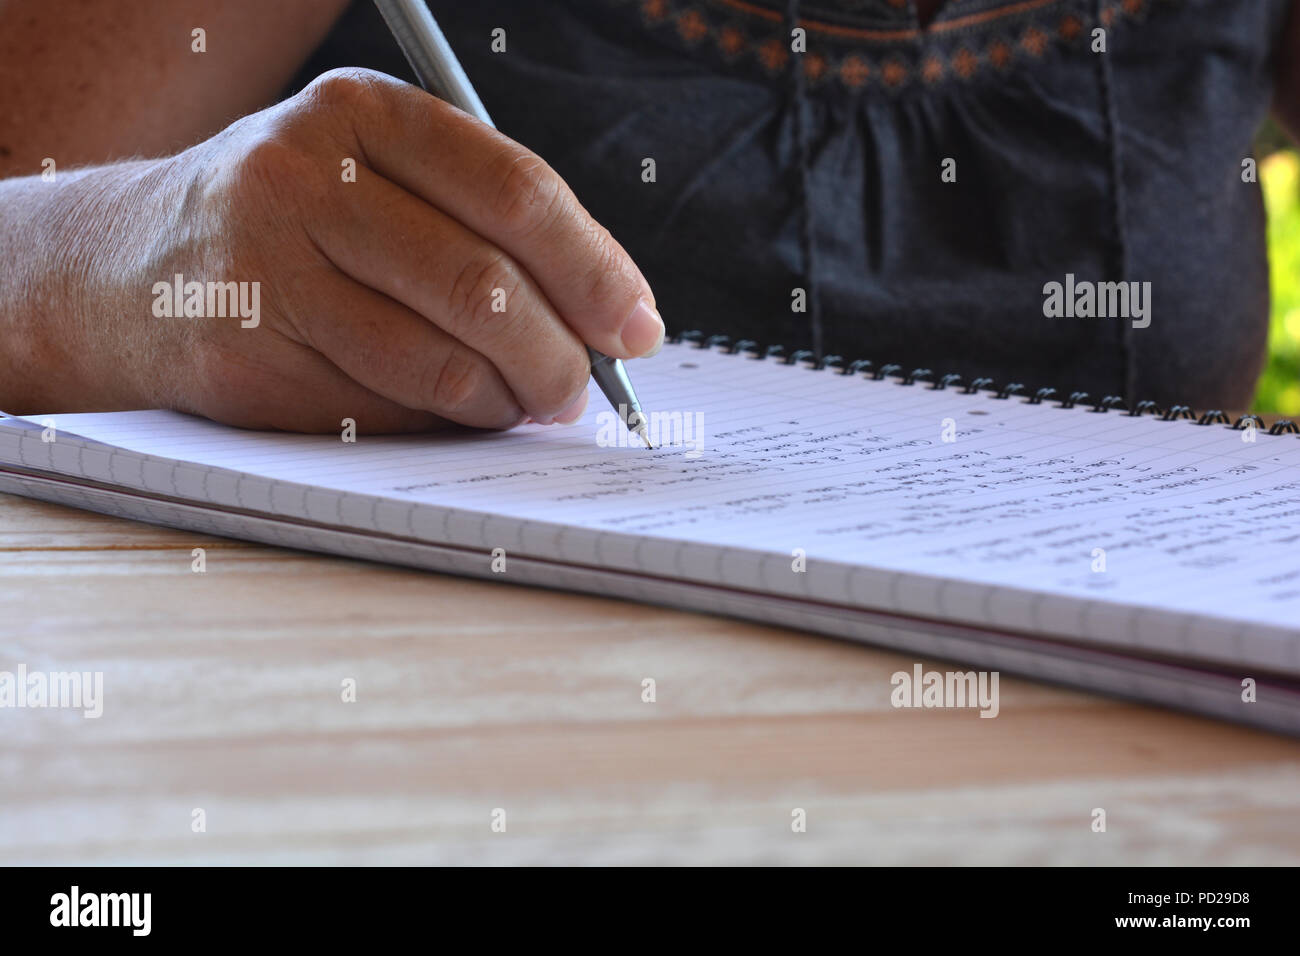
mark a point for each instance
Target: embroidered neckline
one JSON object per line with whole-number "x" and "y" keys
{"x": 957, "y": 48}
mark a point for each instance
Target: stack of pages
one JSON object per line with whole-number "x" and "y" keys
{"x": 1152, "y": 558}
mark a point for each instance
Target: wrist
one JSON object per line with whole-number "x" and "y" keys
{"x": 82, "y": 324}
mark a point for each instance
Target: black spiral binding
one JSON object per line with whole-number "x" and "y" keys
{"x": 1005, "y": 392}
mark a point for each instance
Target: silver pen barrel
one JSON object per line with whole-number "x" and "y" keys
{"x": 611, "y": 378}
{"x": 439, "y": 72}
{"x": 431, "y": 56}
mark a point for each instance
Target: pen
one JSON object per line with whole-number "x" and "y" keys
{"x": 440, "y": 73}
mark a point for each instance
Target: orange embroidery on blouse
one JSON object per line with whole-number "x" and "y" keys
{"x": 894, "y": 73}
{"x": 773, "y": 54}
{"x": 692, "y": 26}
{"x": 655, "y": 9}
{"x": 1034, "y": 41}
{"x": 731, "y": 40}
{"x": 854, "y": 70}
{"x": 861, "y": 33}
{"x": 814, "y": 66}
{"x": 695, "y": 21}
{"x": 965, "y": 63}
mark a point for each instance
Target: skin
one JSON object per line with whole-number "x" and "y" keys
{"x": 377, "y": 295}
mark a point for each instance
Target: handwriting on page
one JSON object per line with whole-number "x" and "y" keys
{"x": 850, "y": 471}
{"x": 856, "y": 492}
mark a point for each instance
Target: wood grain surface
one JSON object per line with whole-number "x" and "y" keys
{"x": 223, "y": 692}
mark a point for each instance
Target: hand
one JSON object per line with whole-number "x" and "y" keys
{"x": 454, "y": 277}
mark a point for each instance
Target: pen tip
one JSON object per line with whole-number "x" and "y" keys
{"x": 645, "y": 438}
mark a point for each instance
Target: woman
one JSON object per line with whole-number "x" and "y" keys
{"x": 903, "y": 180}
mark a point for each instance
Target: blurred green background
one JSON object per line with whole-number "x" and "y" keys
{"x": 1279, "y": 177}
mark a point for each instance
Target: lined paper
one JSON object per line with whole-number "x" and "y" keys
{"x": 1003, "y": 526}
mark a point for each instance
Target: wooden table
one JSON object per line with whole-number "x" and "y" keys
{"x": 222, "y": 692}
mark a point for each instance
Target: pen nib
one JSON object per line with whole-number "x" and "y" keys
{"x": 636, "y": 422}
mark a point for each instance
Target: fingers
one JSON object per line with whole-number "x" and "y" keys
{"x": 398, "y": 355}
{"x": 523, "y": 206}
{"x": 336, "y": 397}
{"x": 253, "y": 395}
{"x": 505, "y": 194}
{"x": 479, "y": 305}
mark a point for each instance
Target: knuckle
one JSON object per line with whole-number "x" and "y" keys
{"x": 529, "y": 193}
{"x": 608, "y": 276}
{"x": 482, "y": 280}
{"x": 345, "y": 88}
{"x": 272, "y": 162}
{"x": 452, "y": 381}
{"x": 567, "y": 379}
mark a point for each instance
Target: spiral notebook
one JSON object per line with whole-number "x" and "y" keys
{"x": 1146, "y": 552}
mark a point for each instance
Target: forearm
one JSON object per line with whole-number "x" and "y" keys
{"x": 87, "y": 85}
{"x": 90, "y": 83}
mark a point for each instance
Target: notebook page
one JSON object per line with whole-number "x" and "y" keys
{"x": 1164, "y": 535}
{"x": 1109, "y": 670}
